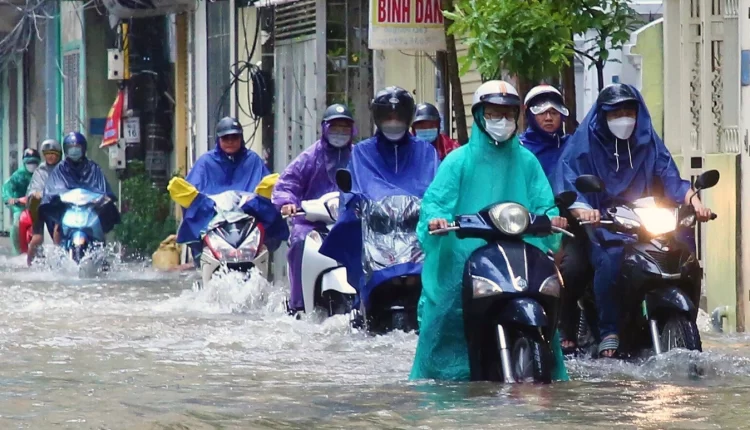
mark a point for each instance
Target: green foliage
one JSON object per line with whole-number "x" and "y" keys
{"x": 528, "y": 38}
{"x": 146, "y": 219}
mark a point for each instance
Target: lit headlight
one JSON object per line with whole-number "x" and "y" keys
{"x": 484, "y": 287}
{"x": 510, "y": 218}
{"x": 657, "y": 221}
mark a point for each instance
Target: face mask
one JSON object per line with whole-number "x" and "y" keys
{"x": 622, "y": 128}
{"x": 428, "y": 134}
{"x": 75, "y": 153}
{"x": 31, "y": 167}
{"x": 339, "y": 140}
{"x": 500, "y": 129}
{"x": 393, "y": 130}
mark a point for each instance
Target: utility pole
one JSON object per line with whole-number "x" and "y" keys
{"x": 52, "y": 93}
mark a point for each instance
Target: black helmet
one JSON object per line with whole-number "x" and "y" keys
{"x": 337, "y": 111}
{"x": 392, "y": 99}
{"x": 31, "y": 156}
{"x": 227, "y": 126}
{"x": 616, "y": 94}
{"x": 426, "y": 112}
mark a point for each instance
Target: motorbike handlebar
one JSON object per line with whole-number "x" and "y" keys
{"x": 714, "y": 216}
{"x": 454, "y": 227}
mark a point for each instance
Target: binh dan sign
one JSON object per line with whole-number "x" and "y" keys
{"x": 406, "y": 24}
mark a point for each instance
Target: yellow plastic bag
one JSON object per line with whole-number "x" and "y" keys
{"x": 168, "y": 255}
{"x": 182, "y": 191}
{"x": 265, "y": 187}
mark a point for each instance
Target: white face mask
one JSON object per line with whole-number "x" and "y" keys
{"x": 31, "y": 167}
{"x": 339, "y": 140}
{"x": 500, "y": 129}
{"x": 393, "y": 130}
{"x": 622, "y": 128}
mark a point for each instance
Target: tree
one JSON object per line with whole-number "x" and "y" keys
{"x": 528, "y": 38}
{"x": 454, "y": 78}
{"x": 611, "y": 20}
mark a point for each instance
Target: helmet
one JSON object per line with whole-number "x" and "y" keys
{"x": 392, "y": 99}
{"x": 227, "y": 126}
{"x": 31, "y": 156}
{"x": 616, "y": 94}
{"x": 426, "y": 112}
{"x": 51, "y": 145}
{"x": 543, "y": 97}
{"x": 496, "y": 93}
{"x": 75, "y": 138}
{"x": 337, "y": 111}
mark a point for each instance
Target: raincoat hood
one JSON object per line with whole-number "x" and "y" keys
{"x": 546, "y": 146}
{"x": 627, "y": 167}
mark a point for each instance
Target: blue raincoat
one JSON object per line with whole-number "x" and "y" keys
{"x": 472, "y": 177}
{"x": 379, "y": 168}
{"x": 68, "y": 175}
{"x": 641, "y": 166}
{"x": 214, "y": 173}
{"x": 546, "y": 146}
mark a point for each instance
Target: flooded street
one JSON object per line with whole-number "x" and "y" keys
{"x": 139, "y": 349}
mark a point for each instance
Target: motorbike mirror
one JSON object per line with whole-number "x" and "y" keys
{"x": 707, "y": 179}
{"x": 565, "y": 199}
{"x": 589, "y": 184}
{"x": 344, "y": 180}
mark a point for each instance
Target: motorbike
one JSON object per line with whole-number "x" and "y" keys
{"x": 324, "y": 282}
{"x": 25, "y": 225}
{"x": 81, "y": 228}
{"x": 233, "y": 239}
{"x": 391, "y": 261}
{"x": 511, "y": 292}
{"x": 660, "y": 278}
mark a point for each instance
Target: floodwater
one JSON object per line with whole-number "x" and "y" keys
{"x": 137, "y": 349}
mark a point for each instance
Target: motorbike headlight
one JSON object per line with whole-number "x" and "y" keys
{"x": 627, "y": 222}
{"x": 551, "y": 286}
{"x": 223, "y": 251}
{"x": 220, "y": 248}
{"x": 484, "y": 287}
{"x": 248, "y": 250}
{"x": 688, "y": 221}
{"x": 510, "y": 218}
{"x": 657, "y": 221}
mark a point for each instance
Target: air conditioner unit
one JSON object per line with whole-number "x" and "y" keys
{"x": 124, "y": 9}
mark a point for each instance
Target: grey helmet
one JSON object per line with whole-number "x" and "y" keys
{"x": 53, "y": 146}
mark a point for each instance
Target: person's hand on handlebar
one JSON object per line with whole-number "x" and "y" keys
{"x": 702, "y": 213}
{"x": 289, "y": 209}
{"x": 559, "y": 222}
{"x": 438, "y": 224}
{"x": 590, "y": 216}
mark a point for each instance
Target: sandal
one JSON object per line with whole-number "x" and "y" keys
{"x": 609, "y": 343}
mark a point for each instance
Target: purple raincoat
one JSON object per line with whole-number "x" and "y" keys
{"x": 308, "y": 177}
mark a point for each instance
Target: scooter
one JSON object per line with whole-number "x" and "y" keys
{"x": 511, "y": 293}
{"x": 660, "y": 278}
{"x": 324, "y": 283}
{"x": 25, "y": 225}
{"x": 391, "y": 261}
{"x": 233, "y": 239}
{"x": 81, "y": 228}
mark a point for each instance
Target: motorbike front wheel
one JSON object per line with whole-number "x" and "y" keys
{"x": 679, "y": 332}
{"x": 531, "y": 361}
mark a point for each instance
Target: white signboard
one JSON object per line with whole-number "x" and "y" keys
{"x": 414, "y": 25}
{"x": 132, "y": 130}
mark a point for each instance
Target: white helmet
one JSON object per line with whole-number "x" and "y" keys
{"x": 496, "y": 93}
{"x": 550, "y": 98}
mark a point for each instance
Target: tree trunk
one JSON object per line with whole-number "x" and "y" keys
{"x": 600, "y": 74}
{"x": 569, "y": 93}
{"x": 457, "y": 97}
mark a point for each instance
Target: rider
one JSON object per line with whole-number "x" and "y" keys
{"x": 52, "y": 153}
{"x": 309, "y": 176}
{"x": 544, "y": 136}
{"x": 77, "y": 171}
{"x": 14, "y": 189}
{"x": 229, "y": 166}
{"x": 466, "y": 183}
{"x": 617, "y": 143}
{"x": 426, "y": 126}
{"x": 392, "y": 162}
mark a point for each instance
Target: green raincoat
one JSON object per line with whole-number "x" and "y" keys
{"x": 469, "y": 179}
{"x": 15, "y": 188}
